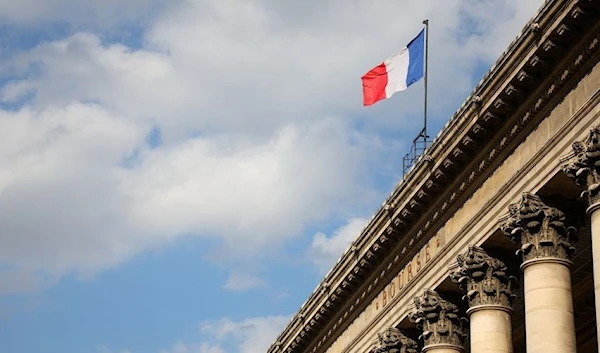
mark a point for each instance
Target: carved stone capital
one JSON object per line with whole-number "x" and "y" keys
{"x": 539, "y": 229}
{"x": 583, "y": 165}
{"x": 484, "y": 279}
{"x": 391, "y": 340}
{"x": 439, "y": 320}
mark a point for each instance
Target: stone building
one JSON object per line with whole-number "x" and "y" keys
{"x": 491, "y": 242}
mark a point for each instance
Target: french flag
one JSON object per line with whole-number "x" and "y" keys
{"x": 396, "y": 73}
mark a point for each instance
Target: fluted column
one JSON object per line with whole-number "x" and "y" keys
{"x": 443, "y": 328}
{"x": 583, "y": 166}
{"x": 489, "y": 291}
{"x": 545, "y": 247}
{"x": 391, "y": 340}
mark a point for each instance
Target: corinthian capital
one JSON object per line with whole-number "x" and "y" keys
{"x": 539, "y": 229}
{"x": 439, "y": 320}
{"x": 583, "y": 165}
{"x": 391, "y": 340}
{"x": 484, "y": 279}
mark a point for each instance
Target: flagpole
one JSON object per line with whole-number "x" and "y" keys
{"x": 426, "y": 23}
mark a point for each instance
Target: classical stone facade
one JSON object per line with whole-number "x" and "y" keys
{"x": 515, "y": 171}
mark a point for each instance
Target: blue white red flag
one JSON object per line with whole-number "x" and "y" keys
{"x": 396, "y": 73}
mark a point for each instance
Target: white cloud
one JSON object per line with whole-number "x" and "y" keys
{"x": 248, "y": 96}
{"x": 324, "y": 250}
{"x": 242, "y": 281}
{"x": 275, "y": 65}
{"x": 490, "y": 20}
{"x": 252, "y": 335}
{"x": 72, "y": 205}
{"x": 100, "y": 14}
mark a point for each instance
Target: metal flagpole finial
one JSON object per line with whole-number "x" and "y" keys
{"x": 426, "y": 22}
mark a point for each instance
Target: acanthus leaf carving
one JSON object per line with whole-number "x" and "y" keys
{"x": 391, "y": 340}
{"x": 583, "y": 165}
{"x": 439, "y": 320}
{"x": 540, "y": 230}
{"x": 484, "y": 279}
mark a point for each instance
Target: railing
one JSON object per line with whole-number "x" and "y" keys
{"x": 419, "y": 145}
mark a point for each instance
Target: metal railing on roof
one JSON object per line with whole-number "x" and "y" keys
{"x": 419, "y": 145}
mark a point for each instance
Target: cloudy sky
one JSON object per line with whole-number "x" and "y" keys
{"x": 176, "y": 176}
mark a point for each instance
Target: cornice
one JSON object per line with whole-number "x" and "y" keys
{"x": 525, "y": 78}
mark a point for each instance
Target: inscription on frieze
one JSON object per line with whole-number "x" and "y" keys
{"x": 407, "y": 273}
{"x": 403, "y": 279}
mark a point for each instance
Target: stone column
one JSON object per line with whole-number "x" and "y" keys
{"x": 583, "y": 166}
{"x": 442, "y": 327}
{"x": 391, "y": 340}
{"x": 545, "y": 247}
{"x": 489, "y": 291}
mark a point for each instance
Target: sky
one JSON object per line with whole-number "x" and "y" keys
{"x": 178, "y": 176}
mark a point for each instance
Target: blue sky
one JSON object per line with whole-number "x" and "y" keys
{"x": 177, "y": 176}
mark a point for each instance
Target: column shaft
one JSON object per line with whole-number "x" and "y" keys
{"x": 491, "y": 331}
{"x": 546, "y": 246}
{"x": 489, "y": 289}
{"x": 595, "y": 228}
{"x": 582, "y": 165}
{"x": 549, "y": 320}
